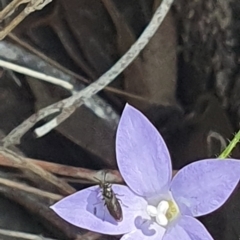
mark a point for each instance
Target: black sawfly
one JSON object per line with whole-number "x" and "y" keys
{"x": 110, "y": 199}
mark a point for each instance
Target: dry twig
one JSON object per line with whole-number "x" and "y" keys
{"x": 21, "y": 235}
{"x": 33, "y": 65}
{"x": 50, "y": 220}
{"x": 32, "y": 6}
{"x": 21, "y": 162}
{"x": 35, "y": 74}
{"x": 67, "y": 106}
{"x": 10, "y": 8}
{"x": 68, "y": 72}
{"x": 68, "y": 171}
{"x": 87, "y": 175}
{"x": 28, "y": 189}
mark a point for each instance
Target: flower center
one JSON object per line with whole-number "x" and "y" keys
{"x": 165, "y": 212}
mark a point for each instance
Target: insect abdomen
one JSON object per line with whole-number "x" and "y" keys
{"x": 114, "y": 208}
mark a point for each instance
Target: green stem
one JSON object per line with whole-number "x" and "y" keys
{"x": 227, "y": 151}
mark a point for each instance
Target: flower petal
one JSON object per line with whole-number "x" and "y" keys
{"x": 142, "y": 155}
{"x": 204, "y": 186}
{"x": 194, "y": 228}
{"x": 86, "y": 209}
{"x": 149, "y": 232}
{"x": 176, "y": 232}
{"x": 187, "y": 228}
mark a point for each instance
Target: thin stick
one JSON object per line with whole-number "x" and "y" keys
{"x": 22, "y": 235}
{"x": 77, "y": 172}
{"x": 88, "y": 175}
{"x": 69, "y": 105}
{"x": 62, "y": 186}
{"x": 35, "y": 74}
{"x": 10, "y": 8}
{"x": 32, "y": 6}
{"x": 69, "y": 72}
{"x": 63, "y": 170}
{"x": 25, "y": 188}
{"x": 49, "y": 219}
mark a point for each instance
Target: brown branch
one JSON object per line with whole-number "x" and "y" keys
{"x": 21, "y": 235}
{"x": 64, "y": 170}
{"x": 50, "y": 220}
{"x": 82, "y": 173}
{"x": 21, "y": 162}
{"x": 14, "y": 185}
{"x": 87, "y": 175}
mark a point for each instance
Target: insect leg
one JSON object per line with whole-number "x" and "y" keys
{"x": 96, "y": 203}
{"x": 104, "y": 214}
{"x": 95, "y": 210}
{"x": 122, "y": 202}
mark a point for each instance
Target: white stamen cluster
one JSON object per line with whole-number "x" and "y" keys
{"x": 159, "y": 212}
{"x": 164, "y": 212}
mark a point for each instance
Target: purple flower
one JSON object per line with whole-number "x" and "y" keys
{"x": 154, "y": 205}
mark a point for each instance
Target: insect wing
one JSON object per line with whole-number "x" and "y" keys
{"x": 114, "y": 208}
